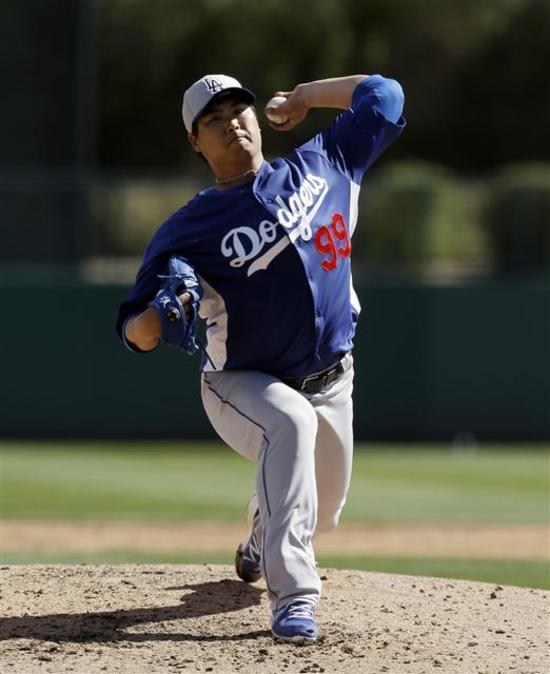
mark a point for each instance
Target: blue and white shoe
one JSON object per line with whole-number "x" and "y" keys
{"x": 249, "y": 552}
{"x": 296, "y": 623}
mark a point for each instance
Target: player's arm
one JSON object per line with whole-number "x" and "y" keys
{"x": 143, "y": 330}
{"x": 337, "y": 92}
{"x": 371, "y": 122}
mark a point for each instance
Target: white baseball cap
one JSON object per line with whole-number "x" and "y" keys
{"x": 200, "y": 94}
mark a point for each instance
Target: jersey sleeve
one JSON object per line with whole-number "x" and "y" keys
{"x": 359, "y": 134}
{"x": 147, "y": 283}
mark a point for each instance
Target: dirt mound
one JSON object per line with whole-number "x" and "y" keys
{"x": 171, "y": 618}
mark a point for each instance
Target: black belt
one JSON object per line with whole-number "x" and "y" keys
{"x": 315, "y": 383}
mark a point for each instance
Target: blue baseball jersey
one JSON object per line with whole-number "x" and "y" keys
{"x": 273, "y": 255}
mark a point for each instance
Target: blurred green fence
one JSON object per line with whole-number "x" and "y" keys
{"x": 432, "y": 363}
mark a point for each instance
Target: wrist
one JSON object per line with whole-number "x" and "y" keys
{"x": 305, "y": 93}
{"x": 152, "y": 324}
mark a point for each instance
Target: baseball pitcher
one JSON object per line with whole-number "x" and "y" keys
{"x": 263, "y": 257}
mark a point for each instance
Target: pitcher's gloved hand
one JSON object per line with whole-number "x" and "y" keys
{"x": 179, "y": 322}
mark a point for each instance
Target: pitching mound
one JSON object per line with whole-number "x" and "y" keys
{"x": 142, "y": 619}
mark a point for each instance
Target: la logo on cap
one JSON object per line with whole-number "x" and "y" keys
{"x": 213, "y": 85}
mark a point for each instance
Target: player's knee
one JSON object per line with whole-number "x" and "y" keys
{"x": 298, "y": 423}
{"x": 302, "y": 422}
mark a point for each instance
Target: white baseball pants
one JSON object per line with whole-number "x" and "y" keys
{"x": 303, "y": 444}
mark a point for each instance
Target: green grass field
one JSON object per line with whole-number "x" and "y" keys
{"x": 179, "y": 481}
{"x": 188, "y": 481}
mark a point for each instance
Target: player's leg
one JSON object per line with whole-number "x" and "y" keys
{"x": 263, "y": 419}
{"x": 334, "y": 447}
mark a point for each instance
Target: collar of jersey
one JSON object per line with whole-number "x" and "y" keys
{"x": 235, "y": 188}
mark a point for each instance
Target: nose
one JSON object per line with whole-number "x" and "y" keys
{"x": 232, "y": 123}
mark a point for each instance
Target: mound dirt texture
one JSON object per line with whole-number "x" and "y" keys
{"x": 145, "y": 619}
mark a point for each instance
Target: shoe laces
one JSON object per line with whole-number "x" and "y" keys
{"x": 299, "y": 610}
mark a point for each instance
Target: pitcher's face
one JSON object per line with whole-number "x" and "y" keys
{"x": 227, "y": 132}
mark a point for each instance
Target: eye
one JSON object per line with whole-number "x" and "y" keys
{"x": 211, "y": 119}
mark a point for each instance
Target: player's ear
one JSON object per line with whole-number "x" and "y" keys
{"x": 194, "y": 140}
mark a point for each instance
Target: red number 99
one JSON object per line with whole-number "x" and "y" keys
{"x": 324, "y": 243}
{"x": 338, "y": 227}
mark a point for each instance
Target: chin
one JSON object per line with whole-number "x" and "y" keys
{"x": 244, "y": 148}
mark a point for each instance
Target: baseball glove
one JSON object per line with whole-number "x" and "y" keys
{"x": 178, "y": 327}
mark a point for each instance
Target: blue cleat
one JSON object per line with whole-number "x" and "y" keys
{"x": 248, "y": 555}
{"x": 296, "y": 623}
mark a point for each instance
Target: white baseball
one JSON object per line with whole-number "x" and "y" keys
{"x": 275, "y": 102}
